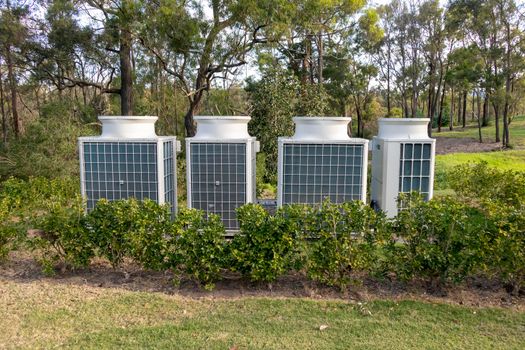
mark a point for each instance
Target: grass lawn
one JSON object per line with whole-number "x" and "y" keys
{"x": 48, "y": 314}
{"x": 517, "y": 132}
{"x": 504, "y": 160}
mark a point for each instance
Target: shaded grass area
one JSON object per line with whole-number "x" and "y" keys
{"x": 44, "y": 315}
{"x": 517, "y": 132}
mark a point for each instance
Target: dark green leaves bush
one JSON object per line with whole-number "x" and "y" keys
{"x": 63, "y": 238}
{"x": 197, "y": 246}
{"x": 500, "y": 195}
{"x": 478, "y": 183}
{"x": 23, "y": 203}
{"x": 441, "y": 240}
{"x": 8, "y": 232}
{"x": 506, "y": 252}
{"x": 266, "y": 246}
{"x": 130, "y": 228}
{"x": 344, "y": 238}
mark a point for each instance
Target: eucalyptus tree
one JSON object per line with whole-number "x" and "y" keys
{"x": 13, "y": 35}
{"x": 197, "y": 44}
{"x": 496, "y": 28}
{"x": 274, "y": 99}
{"x": 465, "y": 73}
{"x": 513, "y": 48}
{"x": 350, "y": 71}
{"x": 95, "y": 54}
{"x": 64, "y": 55}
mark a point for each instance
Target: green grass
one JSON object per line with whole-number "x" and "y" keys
{"x": 516, "y": 130}
{"x": 503, "y": 160}
{"x": 47, "y": 315}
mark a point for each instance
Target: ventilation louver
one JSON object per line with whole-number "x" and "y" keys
{"x": 128, "y": 161}
{"x": 321, "y": 161}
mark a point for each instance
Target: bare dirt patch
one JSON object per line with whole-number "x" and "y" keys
{"x": 446, "y": 145}
{"x": 22, "y": 268}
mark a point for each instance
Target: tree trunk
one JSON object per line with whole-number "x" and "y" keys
{"x": 388, "y": 105}
{"x": 2, "y": 108}
{"x": 13, "y": 88}
{"x": 478, "y": 100}
{"x": 464, "y": 117}
{"x": 306, "y": 62}
{"x": 441, "y": 103}
{"x": 472, "y": 114}
{"x": 359, "y": 117}
{"x": 452, "y": 106}
{"x": 479, "y": 129}
{"x": 485, "y": 111}
{"x": 459, "y": 107}
{"x": 175, "y": 107}
{"x": 478, "y": 103}
{"x": 188, "y": 119}
{"x": 126, "y": 74}
{"x": 430, "y": 92}
{"x": 506, "y": 135}
{"x": 496, "y": 121}
{"x": 320, "y": 62}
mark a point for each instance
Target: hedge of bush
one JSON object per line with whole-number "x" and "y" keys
{"x": 442, "y": 241}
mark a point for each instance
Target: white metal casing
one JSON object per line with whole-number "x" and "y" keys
{"x": 217, "y": 173}
{"x": 321, "y": 131}
{"x": 117, "y": 169}
{"x": 387, "y": 160}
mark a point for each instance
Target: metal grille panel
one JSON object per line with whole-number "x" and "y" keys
{"x": 169, "y": 174}
{"x": 312, "y": 172}
{"x": 414, "y": 168}
{"x": 218, "y": 179}
{"x": 119, "y": 170}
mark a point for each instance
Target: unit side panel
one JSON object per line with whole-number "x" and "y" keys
{"x": 120, "y": 170}
{"x": 218, "y": 179}
{"x": 169, "y": 173}
{"x": 377, "y": 171}
{"x": 313, "y": 172}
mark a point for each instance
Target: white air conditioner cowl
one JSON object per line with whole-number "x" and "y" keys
{"x": 222, "y": 127}
{"x": 128, "y": 127}
{"x": 403, "y": 128}
{"x": 321, "y": 128}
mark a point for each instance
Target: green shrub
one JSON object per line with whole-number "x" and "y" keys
{"x": 23, "y": 203}
{"x": 505, "y": 256}
{"x": 479, "y": 182}
{"x": 197, "y": 246}
{"x": 130, "y": 228}
{"x": 48, "y": 146}
{"x": 440, "y": 240}
{"x": 500, "y": 195}
{"x": 147, "y": 237}
{"x": 108, "y": 225}
{"x": 344, "y": 238}
{"x": 63, "y": 238}
{"x": 265, "y": 246}
{"x": 34, "y": 196}
{"x": 8, "y": 231}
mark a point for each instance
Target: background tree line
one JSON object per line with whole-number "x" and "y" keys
{"x": 63, "y": 62}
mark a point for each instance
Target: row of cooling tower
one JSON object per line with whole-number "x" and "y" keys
{"x": 320, "y": 161}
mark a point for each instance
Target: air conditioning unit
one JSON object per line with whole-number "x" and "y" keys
{"x": 128, "y": 160}
{"x": 402, "y": 161}
{"x": 321, "y": 161}
{"x": 221, "y": 166}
